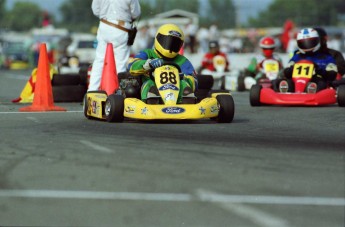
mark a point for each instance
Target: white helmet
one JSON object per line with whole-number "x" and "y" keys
{"x": 308, "y": 40}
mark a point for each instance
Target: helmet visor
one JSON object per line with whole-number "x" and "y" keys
{"x": 171, "y": 43}
{"x": 307, "y": 44}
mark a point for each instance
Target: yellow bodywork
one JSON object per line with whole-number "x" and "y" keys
{"x": 136, "y": 109}
{"x": 95, "y": 104}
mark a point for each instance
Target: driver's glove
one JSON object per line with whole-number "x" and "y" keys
{"x": 156, "y": 63}
{"x": 147, "y": 66}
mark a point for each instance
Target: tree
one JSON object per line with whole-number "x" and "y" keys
{"x": 2, "y": 12}
{"x": 77, "y": 15}
{"x": 222, "y": 13}
{"x": 306, "y": 13}
{"x": 24, "y": 16}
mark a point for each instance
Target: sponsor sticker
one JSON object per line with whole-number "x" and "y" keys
{"x": 173, "y": 110}
{"x": 214, "y": 109}
{"x": 169, "y": 97}
{"x": 167, "y": 87}
{"x": 130, "y": 109}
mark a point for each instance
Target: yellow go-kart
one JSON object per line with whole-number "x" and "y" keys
{"x": 116, "y": 107}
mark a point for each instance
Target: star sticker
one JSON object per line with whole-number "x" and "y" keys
{"x": 202, "y": 111}
{"x": 144, "y": 111}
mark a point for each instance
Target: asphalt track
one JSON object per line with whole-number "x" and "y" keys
{"x": 270, "y": 167}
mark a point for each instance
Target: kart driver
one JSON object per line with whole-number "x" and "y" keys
{"x": 255, "y": 68}
{"x": 308, "y": 43}
{"x": 167, "y": 43}
{"x": 207, "y": 61}
{"x": 337, "y": 55}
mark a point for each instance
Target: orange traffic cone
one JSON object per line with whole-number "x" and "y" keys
{"x": 109, "y": 81}
{"x": 43, "y": 95}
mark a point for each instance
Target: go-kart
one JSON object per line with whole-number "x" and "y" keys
{"x": 303, "y": 72}
{"x": 270, "y": 70}
{"x": 222, "y": 79}
{"x": 115, "y": 107}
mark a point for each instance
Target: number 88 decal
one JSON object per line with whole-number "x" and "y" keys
{"x": 168, "y": 77}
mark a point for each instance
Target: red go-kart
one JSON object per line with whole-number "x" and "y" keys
{"x": 302, "y": 74}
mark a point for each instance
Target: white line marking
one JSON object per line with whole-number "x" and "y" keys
{"x": 96, "y": 195}
{"x": 96, "y": 146}
{"x": 200, "y": 197}
{"x": 257, "y": 216}
{"x": 33, "y": 119}
{"x": 279, "y": 200}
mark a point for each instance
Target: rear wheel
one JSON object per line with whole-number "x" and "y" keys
{"x": 226, "y": 109}
{"x": 341, "y": 95}
{"x": 240, "y": 83}
{"x": 113, "y": 109}
{"x": 255, "y": 95}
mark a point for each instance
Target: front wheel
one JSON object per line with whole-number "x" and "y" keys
{"x": 226, "y": 108}
{"x": 341, "y": 95}
{"x": 114, "y": 106}
{"x": 255, "y": 95}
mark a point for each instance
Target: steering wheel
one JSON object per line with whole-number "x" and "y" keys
{"x": 173, "y": 64}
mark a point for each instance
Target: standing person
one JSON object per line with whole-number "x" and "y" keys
{"x": 116, "y": 17}
{"x": 191, "y": 31}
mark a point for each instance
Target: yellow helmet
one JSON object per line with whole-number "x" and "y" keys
{"x": 168, "y": 40}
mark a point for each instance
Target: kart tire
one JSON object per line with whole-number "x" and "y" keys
{"x": 226, "y": 109}
{"x": 217, "y": 91}
{"x": 222, "y": 83}
{"x": 69, "y": 93}
{"x": 254, "y": 95}
{"x": 341, "y": 95}
{"x": 65, "y": 79}
{"x": 205, "y": 81}
{"x": 114, "y": 107}
{"x": 240, "y": 83}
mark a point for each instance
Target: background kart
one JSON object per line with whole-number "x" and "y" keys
{"x": 222, "y": 79}
{"x": 115, "y": 107}
{"x": 302, "y": 74}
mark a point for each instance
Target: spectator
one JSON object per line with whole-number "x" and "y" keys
{"x": 116, "y": 17}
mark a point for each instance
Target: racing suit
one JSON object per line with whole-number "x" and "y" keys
{"x": 121, "y": 13}
{"x": 207, "y": 61}
{"x": 254, "y": 68}
{"x": 135, "y": 67}
{"x": 325, "y": 68}
{"x": 254, "y": 71}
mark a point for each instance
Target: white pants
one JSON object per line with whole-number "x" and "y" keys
{"x": 108, "y": 34}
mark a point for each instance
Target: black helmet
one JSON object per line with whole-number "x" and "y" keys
{"x": 213, "y": 44}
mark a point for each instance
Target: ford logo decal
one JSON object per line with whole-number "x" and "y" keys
{"x": 173, "y": 110}
{"x": 168, "y": 86}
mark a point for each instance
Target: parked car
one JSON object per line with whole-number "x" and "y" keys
{"x": 15, "y": 55}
